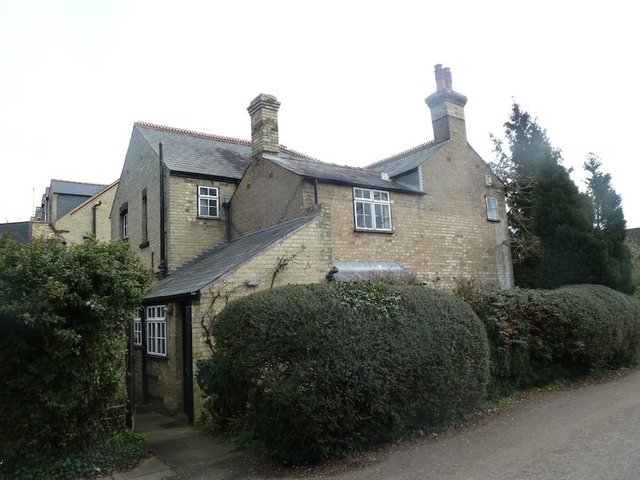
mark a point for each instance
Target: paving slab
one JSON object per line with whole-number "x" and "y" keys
{"x": 150, "y": 469}
{"x": 178, "y": 449}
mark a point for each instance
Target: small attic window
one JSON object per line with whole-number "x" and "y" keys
{"x": 208, "y": 202}
{"x": 492, "y": 209}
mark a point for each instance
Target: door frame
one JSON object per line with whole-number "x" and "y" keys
{"x": 187, "y": 362}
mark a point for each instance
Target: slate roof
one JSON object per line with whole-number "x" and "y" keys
{"x": 193, "y": 152}
{"x": 191, "y": 278}
{"x": 199, "y": 153}
{"x": 90, "y": 199}
{"x": 74, "y": 188}
{"x": 18, "y": 231}
{"x": 329, "y": 172}
{"x": 634, "y": 235}
{"x": 407, "y": 160}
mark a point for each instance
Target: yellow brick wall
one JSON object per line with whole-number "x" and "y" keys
{"x": 42, "y": 230}
{"x": 187, "y": 234}
{"x": 165, "y": 373}
{"x": 77, "y": 225}
{"x": 440, "y": 236}
{"x": 140, "y": 171}
{"x": 310, "y": 254}
{"x": 267, "y": 195}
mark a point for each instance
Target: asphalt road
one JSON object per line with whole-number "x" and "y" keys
{"x": 590, "y": 432}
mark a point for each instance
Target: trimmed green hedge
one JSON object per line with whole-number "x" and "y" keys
{"x": 320, "y": 371}
{"x": 541, "y": 336}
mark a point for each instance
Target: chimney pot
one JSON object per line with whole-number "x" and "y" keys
{"x": 439, "y": 77}
{"x": 447, "y": 78}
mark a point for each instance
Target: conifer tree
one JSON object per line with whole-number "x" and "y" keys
{"x": 553, "y": 240}
{"x": 610, "y": 225}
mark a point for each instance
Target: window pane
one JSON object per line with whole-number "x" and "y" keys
{"x": 492, "y": 208}
{"x": 383, "y": 196}
{"x": 363, "y": 215}
{"x": 361, "y": 193}
{"x": 383, "y": 217}
{"x": 208, "y": 201}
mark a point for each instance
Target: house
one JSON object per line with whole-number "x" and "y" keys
{"x": 62, "y": 196}
{"x": 633, "y": 234}
{"x": 70, "y": 211}
{"x": 216, "y": 218}
{"x": 88, "y": 219}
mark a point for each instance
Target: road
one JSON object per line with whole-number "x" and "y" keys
{"x": 589, "y": 432}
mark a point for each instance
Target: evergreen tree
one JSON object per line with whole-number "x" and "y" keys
{"x": 553, "y": 240}
{"x": 610, "y": 225}
{"x": 634, "y": 248}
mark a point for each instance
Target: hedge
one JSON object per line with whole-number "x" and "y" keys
{"x": 541, "y": 336}
{"x": 64, "y": 312}
{"x": 320, "y": 371}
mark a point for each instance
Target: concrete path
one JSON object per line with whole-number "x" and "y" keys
{"x": 591, "y": 432}
{"x": 179, "y": 450}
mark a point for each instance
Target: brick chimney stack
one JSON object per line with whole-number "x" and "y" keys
{"x": 264, "y": 125}
{"x": 447, "y": 108}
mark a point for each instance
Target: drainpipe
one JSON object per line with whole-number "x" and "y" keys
{"x": 227, "y": 218}
{"x": 162, "y": 266}
{"x": 129, "y": 375}
{"x": 94, "y": 222}
{"x": 315, "y": 190}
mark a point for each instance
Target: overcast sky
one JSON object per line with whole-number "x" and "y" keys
{"x": 352, "y": 77}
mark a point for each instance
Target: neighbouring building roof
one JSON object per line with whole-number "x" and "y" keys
{"x": 407, "y": 160}
{"x": 18, "y": 231}
{"x": 634, "y": 234}
{"x": 329, "y": 172}
{"x": 191, "y": 278}
{"x": 74, "y": 188}
{"x": 90, "y": 199}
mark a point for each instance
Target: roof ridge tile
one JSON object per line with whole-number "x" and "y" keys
{"x": 193, "y": 133}
{"x": 401, "y": 154}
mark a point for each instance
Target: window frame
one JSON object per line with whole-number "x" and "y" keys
{"x": 369, "y": 204}
{"x": 124, "y": 224}
{"x": 156, "y": 331}
{"x": 137, "y": 328}
{"x": 209, "y": 197}
{"x": 492, "y": 211}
